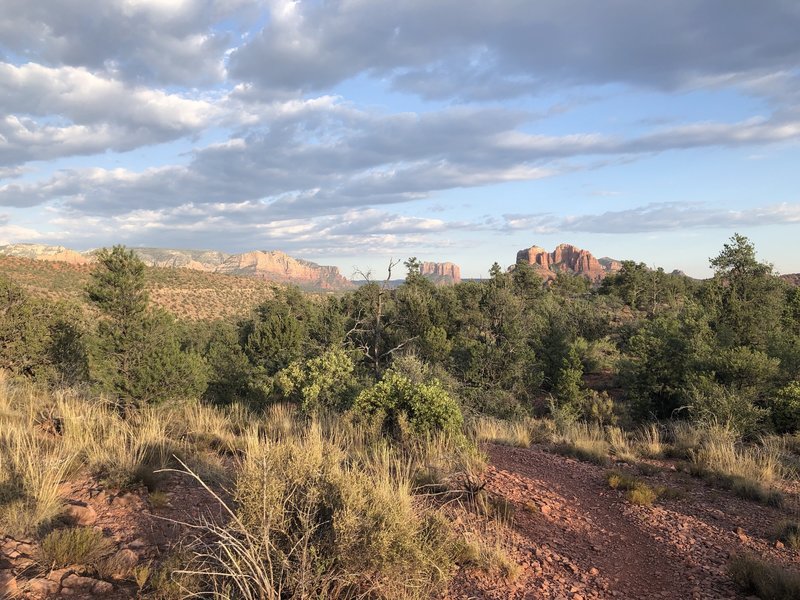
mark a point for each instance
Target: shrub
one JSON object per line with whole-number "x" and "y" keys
{"x": 767, "y": 581}
{"x": 319, "y": 382}
{"x": 426, "y": 407}
{"x": 785, "y": 407}
{"x": 641, "y": 495}
{"x": 74, "y": 546}
{"x": 311, "y": 522}
{"x": 789, "y": 534}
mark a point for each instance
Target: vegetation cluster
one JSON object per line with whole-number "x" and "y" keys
{"x": 347, "y": 425}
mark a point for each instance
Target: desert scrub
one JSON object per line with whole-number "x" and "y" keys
{"x": 765, "y": 580}
{"x": 508, "y": 433}
{"x": 789, "y": 534}
{"x": 73, "y": 546}
{"x": 396, "y": 401}
{"x": 311, "y": 522}
{"x": 584, "y": 441}
{"x": 649, "y": 443}
{"x": 636, "y": 491}
{"x": 749, "y": 471}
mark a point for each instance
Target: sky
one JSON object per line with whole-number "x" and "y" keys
{"x": 349, "y": 132}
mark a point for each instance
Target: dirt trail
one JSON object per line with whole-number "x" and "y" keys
{"x": 576, "y": 538}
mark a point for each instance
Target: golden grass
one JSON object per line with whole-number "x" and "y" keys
{"x": 496, "y": 431}
{"x": 751, "y": 471}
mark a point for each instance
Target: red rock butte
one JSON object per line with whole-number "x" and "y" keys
{"x": 445, "y": 271}
{"x": 570, "y": 259}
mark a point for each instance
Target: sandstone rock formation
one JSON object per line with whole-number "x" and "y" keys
{"x": 271, "y": 266}
{"x": 44, "y": 252}
{"x": 567, "y": 258}
{"x": 277, "y": 266}
{"x": 445, "y": 273}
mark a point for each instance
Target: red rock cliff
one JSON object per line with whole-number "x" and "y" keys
{"x": 567, "y": 258}
{"x": 445, "y": 272}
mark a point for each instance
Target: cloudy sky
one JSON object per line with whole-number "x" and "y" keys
{"x": 349, "y": 131}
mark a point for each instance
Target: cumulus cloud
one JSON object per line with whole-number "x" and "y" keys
{"x": 473, "y": 49}
{"x": 162, "y": 41}
{"x": 94, "y": 114}
{"x": 664, "y": 216}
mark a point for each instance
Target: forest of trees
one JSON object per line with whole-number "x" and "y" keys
{"x": 643, "y": 345}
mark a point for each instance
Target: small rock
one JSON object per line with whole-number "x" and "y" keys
{"x": 123, "y": 562}
{"x": 102, "y": 588}
{"x": 80, "y": 514}
{"x": 42, "y": 587}
{"x": 779, "y": 545}
{"x": 8, "y": 584}
{"x": 58, "y": 575}
{"x": 77, "y": 582}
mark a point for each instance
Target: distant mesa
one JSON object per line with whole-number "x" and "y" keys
{"x": 277, "y": 266}
{"x": 270, "y": 266}
{"x": 568, "y": 259}
{"x": 44, "y": 252}
{"x": 444, "y": 272}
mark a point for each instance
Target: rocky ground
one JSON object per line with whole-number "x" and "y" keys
{"x": 571, "y": 535}
{"x": 576, "y": 538}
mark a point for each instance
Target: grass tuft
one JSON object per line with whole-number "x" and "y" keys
{"x": 765, "y": 580}
{"x": 73, "y": 546}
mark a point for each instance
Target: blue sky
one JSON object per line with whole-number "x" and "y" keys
{"x": 351, "y": 131}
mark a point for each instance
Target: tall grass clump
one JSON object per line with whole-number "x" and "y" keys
{"x": 765, "y": 580}
{"x": 649, "y": 442}
{"x": 620, "y": 444}
{"x": 496, "y": 431}
{"x": 584, "y": 441}
{"x": 32, "y": 466}
{"x": 310, "y": 522}
{"x": 750, "y": 471}
{"x": 685, "y": 438}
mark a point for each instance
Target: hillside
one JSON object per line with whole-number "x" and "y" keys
{"x": 269, "y": 266}
{"x": 186, "y": 293}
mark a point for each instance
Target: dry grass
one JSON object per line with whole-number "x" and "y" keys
{"x": 751, "y": 471}
{"x": 73, "y": 546}
{"x": 620, "y": 444}
{"x": 648, "y": 441}
{"x": 496, "y": 431}
{"x": 584, "y": 441}
{"x": 765, "y": 580}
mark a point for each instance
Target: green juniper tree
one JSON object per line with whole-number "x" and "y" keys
{"x": 137, "y": 355}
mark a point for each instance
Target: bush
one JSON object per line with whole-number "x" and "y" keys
{"x": 74, "y": 546}
{"x": 785, "y": 407}
{"x": 320, "y": 382}
{"x": 789, "y": 534}
{"x": 712, "y": 403}
{"x": 767, "y": 581}
{"x": 425, "y": 407}
{"x": 312, "y": 523}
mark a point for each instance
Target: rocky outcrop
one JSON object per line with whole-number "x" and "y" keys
{"x": 277, "y": 266}
{"x": 570, "y": 259}
{"x": 198, "y": 260}
{"x": 271, "y": 266}
{"x": 44, "y": 252}
{"x": 445, "y": 272}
